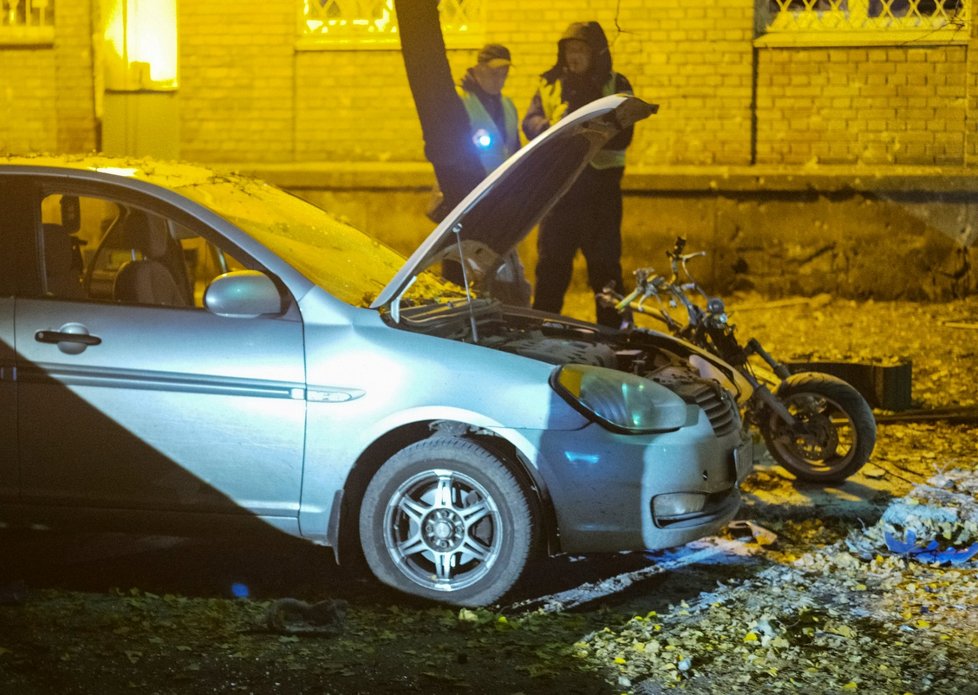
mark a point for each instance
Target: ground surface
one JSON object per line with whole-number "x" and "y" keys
{"x": 808, "y": 599}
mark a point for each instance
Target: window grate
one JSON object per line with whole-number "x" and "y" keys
{"x": 939, "y": 18}
{"x": 26, "y": 21}
{"x": 374, "y": 22}
{"x": 27, "y": 13}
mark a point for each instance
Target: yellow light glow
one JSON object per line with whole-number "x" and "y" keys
{"x": 141, "y": 43}
{"x": 118, "y": 171}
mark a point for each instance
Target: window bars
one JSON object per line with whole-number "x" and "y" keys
{"x": 901, "y": 20}
{"x": 26, "y": 21}
{"x": 27, "y": 13}
{"x": 365, "y": 23}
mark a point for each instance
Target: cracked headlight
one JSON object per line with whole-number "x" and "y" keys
{"x": 620, "y": 401}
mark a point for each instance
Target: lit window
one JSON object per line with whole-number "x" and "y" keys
{"x": 366, "y": 23}
{"x": 141, "y": 44}
{"x": 869, "y": 21}
{"x": 26, "y": 21}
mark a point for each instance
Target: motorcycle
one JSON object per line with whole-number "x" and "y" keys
{"x": 815, "y": 425}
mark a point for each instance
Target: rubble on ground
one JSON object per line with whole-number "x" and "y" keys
{"x": 859, "y": 614}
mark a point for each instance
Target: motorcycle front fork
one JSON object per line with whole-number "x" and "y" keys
{"x": 761, "y": 391}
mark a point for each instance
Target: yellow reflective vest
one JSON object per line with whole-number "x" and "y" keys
{"x": 500, "y": 146}
{"x": 554, "y": 109}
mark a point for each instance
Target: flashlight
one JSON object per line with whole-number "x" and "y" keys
{"x": 482, "y": 138}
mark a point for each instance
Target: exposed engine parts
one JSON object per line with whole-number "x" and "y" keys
{"x": 566, "y": 341}
{"x": 560, "y": 351}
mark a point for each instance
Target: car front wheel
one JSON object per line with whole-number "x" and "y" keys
{"x": 446, "y": 519}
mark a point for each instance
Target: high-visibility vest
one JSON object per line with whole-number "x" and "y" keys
{"x": 500, "y": 146}
{"x": 550, "y": 100}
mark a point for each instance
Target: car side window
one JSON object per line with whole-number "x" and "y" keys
{"x": 204, "y": 262}
{"x": 99, "y": 249}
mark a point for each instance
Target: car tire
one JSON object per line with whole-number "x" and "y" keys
{"x": 447, "y": 520}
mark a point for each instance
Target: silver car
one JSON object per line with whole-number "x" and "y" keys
{"x": 183, "y": 351}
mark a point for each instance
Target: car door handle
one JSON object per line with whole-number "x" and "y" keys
{"x": 61, "y": 337}
{"x": 71, "y": 338}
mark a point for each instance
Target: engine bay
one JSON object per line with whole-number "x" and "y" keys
{"x": 561, "y": 340}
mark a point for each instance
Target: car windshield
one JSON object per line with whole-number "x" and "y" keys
{"x": 339, "y": 258}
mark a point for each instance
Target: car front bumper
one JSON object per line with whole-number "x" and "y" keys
{"x": 612, "y": 492}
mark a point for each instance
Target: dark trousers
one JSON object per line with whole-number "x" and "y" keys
{"x": 587, "y": 217}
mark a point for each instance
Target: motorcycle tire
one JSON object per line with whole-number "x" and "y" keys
{"x": 835, "y": 430}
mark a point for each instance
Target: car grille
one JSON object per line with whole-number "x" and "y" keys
{"x": 719, "y": 407}
{"x": 716, "y": 402}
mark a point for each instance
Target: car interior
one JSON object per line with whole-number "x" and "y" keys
{"x": 105, "y": 250}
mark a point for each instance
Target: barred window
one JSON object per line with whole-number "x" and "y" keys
{"x": 26, "y": 21}
{"x": 373, "y": 23}
{"x": 872, "y": 21}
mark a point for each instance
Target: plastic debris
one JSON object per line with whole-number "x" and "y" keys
{"x": 930, "y": 552}
{"x": 761, "y": 535}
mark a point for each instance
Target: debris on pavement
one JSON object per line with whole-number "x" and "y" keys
{"x": 852, "y": 615}
{"x": 937, "y": 522}
{"x": 756, "y": 532}
{"x": 705, "y": 550}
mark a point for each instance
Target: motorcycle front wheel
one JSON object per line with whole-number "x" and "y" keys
{"x": 834, "y": 431}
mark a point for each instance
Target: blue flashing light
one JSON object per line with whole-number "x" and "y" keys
{"x": 239, "y": 590}
{"x": 482, "y": 139}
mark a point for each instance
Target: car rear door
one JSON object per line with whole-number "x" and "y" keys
{"x": 139, "y": 404}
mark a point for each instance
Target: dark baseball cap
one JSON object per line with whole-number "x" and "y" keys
{"x": 495, "y": 55}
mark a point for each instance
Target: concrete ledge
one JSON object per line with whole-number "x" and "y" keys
{"x": 821, "y": 179}
{"x": 886, "y": 233}
{"x": 700, "y": 180}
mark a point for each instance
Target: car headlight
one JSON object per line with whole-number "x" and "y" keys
{"x": 620, "y": 401}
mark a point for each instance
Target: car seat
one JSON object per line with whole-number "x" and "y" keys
{"x": 61, "y": 267}
{"x": 146, "y": 280}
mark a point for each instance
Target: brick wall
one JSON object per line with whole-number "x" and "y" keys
{"x": 696, "y": 64}
{"x": 354, "y": 106}
{"x": 249, "y": 92}
{"x": 695, "y": 61}
{"x": 47, "y": 93}
{"x": 74, "y": 75}
{"x": 28, "y": 93}
{"x": 862, "y": 105}
{"x": 733, "y": 112}
{"x": 236, "y": 66}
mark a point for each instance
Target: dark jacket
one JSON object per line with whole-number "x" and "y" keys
{"x": 574, "y": 91}
{"x": 495, "y": 115}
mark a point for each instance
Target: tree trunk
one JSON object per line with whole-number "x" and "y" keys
{"x": 444, "y": 122}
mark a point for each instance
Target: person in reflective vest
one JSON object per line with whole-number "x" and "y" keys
{"x": 492, "y": 114}
{"x": 494, "y": 126}
{"x": 588, "y": 216}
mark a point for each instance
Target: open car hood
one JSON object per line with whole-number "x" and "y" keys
{"x": 502, "y": 210}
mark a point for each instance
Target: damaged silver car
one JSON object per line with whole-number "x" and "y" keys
{"x": 183, "y": 351}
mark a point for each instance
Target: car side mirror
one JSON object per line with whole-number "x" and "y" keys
{"x": 243, "y": 294}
